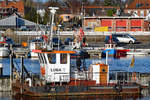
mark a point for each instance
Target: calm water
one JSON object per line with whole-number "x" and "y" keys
{"x": 142, "y": 64}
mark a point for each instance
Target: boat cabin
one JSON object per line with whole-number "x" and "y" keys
{"x": 100, "y": 73}
{"x": 55, "y": 65}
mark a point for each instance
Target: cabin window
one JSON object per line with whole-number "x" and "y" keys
{"x": 52, "y": 58}
{"x": 112, "y": 76}
{"x": 63, "y": 58}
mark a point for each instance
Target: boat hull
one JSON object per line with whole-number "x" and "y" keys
{"x": 4, "y": 52}
{"x": 43, "y": 91}
{"x": 111, "y": 52}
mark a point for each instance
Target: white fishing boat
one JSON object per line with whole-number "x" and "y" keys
{"x": 4, "y": 52}
{"x": 137, "y": 52}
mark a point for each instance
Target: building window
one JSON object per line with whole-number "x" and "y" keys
{"x": 63, "y": 58}
{"x": 120, "y": 27}
{"x": 135, "y": 12}
{"x": 142, "y": 13}
{"x": 135, "y": 27}
{"x": 52, "y": 58}
{"x": 148, "y": 12}
{"x": 129, "y": 11}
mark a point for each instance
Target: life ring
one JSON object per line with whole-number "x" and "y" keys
{"x": 118, "y": 88}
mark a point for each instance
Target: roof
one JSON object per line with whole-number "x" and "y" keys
{"x": 16, "y": 21}
{"x": 16, "y": 4}
{"x": 139, "y": 4}
{"x": 89, "y": 7}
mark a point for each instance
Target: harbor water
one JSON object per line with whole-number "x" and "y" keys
{"x": 142, "y": 65}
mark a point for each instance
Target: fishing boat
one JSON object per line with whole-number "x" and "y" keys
{"x": 4, "y": 50}
{"x": 59, "y": 78}
{"x": 112, "y": 50}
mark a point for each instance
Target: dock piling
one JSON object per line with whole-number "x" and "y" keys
{"x": 1, "y": 69}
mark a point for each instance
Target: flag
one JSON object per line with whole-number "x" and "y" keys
{"x": 132, "y": 62}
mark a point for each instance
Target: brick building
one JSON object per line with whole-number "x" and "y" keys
{"x": 117, "y": 23}
{"x": 9, "y": 7}
{"x": 140, "y": 7}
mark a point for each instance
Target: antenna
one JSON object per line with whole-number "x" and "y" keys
{"x": 52, "y": 11}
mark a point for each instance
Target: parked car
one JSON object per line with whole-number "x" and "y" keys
{"x": 124, "y": 38}
{"x": 56, "y": 41}
{"x": 68, "y": 40}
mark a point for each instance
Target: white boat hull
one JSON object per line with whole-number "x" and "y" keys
{"x": 4, "y": 52}
{"x": 136, "y": 53}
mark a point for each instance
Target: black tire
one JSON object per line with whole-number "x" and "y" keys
{"x": 130, "y": 42}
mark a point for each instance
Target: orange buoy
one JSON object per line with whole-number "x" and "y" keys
{"x": 24, "y": 44}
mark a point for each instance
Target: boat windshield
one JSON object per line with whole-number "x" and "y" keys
{"x": 63, "y": 58}
{"x": 52, "y": 58}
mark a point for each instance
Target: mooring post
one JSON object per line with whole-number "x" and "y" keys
{"x": 22, "y": 71}
{"x": 1, "y": 69}
{"x": 11, "y": 71}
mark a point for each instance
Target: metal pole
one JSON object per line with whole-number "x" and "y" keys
{"x": 51, "y": 36}
{"x": 107, "y": 57}
{"x": 53, "y": 11}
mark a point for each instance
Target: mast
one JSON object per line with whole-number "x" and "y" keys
{"x": 52, "y": 11}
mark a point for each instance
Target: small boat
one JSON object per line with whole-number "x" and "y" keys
{"x": 137, "y": 52}
{"x": 111, "y": 49}
{"x": 4, "y": 48}
{"x": 4, "y": 52}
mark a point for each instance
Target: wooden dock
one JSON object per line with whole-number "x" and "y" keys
{"x": 94, "y": 52}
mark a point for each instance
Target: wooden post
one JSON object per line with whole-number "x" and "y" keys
{"x": 1, "y": 69}
{"x": 22, "y": 71}
{"x": 11, "y": 71}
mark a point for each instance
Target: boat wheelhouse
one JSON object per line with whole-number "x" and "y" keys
{"x": 55, "y": 65}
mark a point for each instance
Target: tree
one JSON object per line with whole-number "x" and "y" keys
{"x": 31, "y": 15}
{"x": 107, "y": 2}
{"x": 110, "y": 12}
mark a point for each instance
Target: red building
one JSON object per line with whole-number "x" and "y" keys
{"x": 117, "y": 23}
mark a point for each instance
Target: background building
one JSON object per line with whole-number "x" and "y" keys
{"x": 117, "y": 23}
{"x": 10, "y": 7}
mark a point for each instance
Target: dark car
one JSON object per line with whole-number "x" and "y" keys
{"x": 68, "y": 40}
{"x": 56, "y": 41}
{"x": 10, "y": 41}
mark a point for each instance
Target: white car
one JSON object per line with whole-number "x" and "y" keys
{"x": 124, "y": 38}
